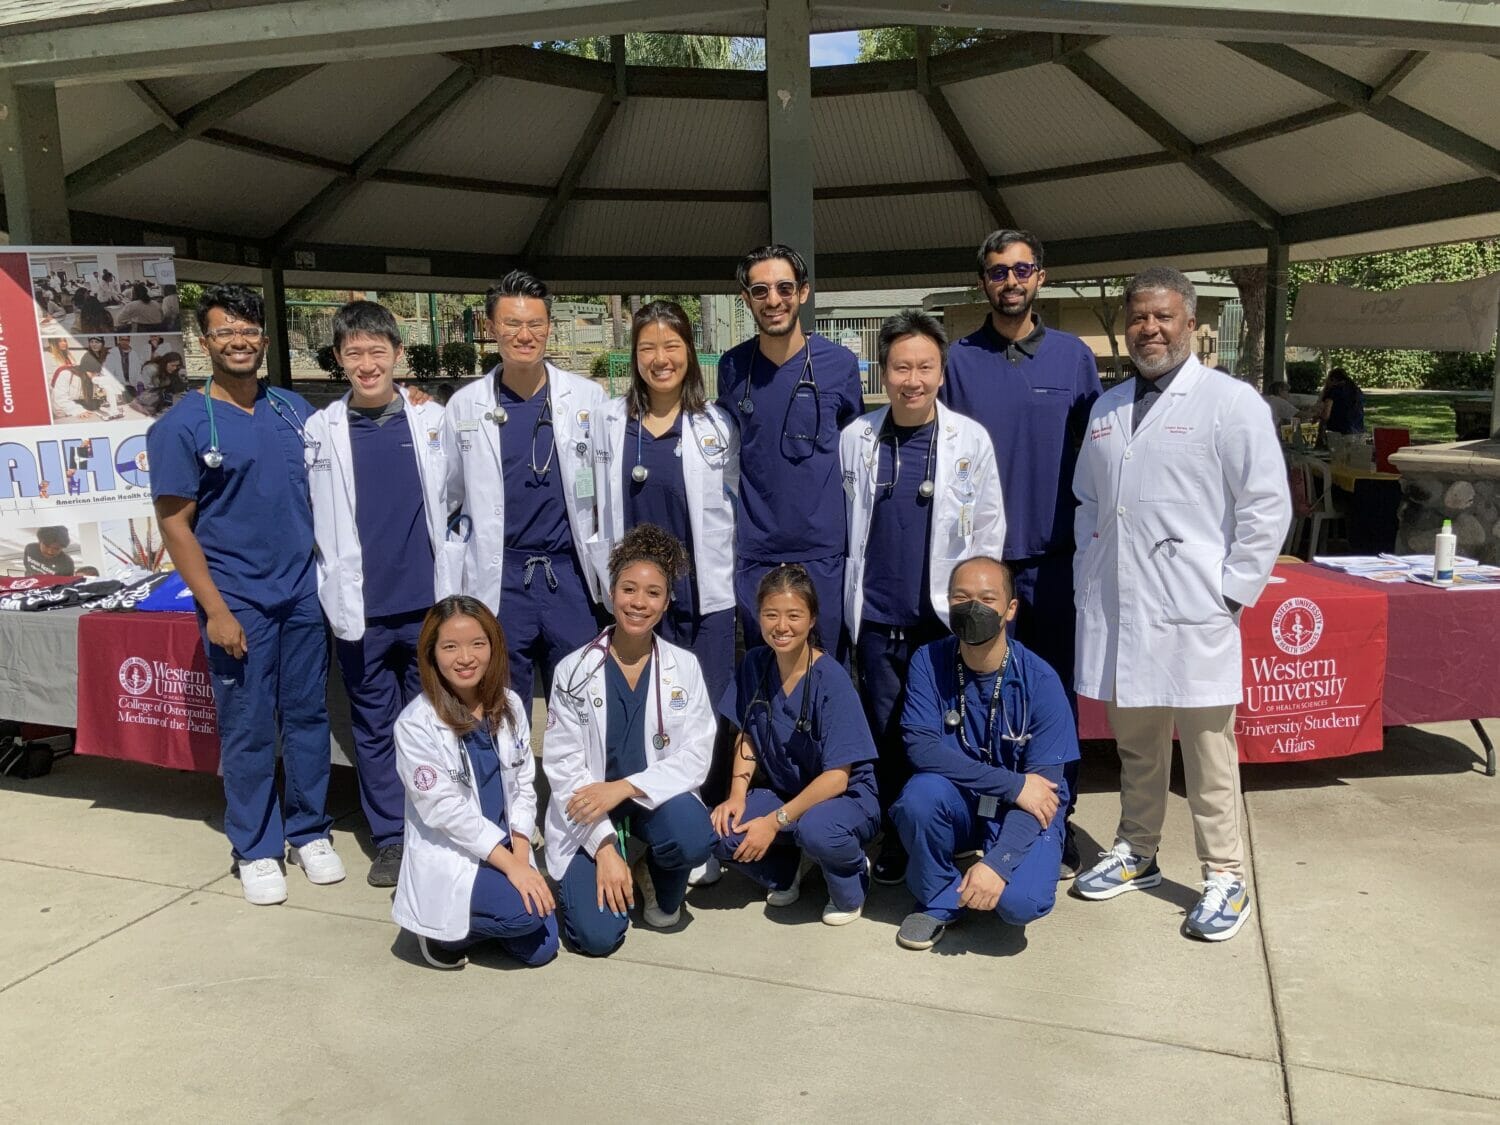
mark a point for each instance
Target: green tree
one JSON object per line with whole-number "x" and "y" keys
{"x": 655, "y": 48}
{"x": 881, "y": 43}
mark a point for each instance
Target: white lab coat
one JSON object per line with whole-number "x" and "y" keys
{"x": 573, "y": 746}
{"x": 475, "y": 480}
{"x": 339, "y": 553}
{"x": 968, "y": 515}
{"x": 1189, "y": 510}
{"x": 447, "y": 836}
{"x": 711, "y": 480}
{"x": 66, "y": 387}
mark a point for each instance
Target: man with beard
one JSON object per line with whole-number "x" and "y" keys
{"x": 1182, "y": 507}
{"x": 1031, "y": 387}
{"x": 790, "y": 394}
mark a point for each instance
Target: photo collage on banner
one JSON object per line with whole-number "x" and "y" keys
{"x": 91, "y": 351}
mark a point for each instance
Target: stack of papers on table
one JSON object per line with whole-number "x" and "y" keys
{"x": 1474, "y": 577}
{"x": 1396, "y": 568}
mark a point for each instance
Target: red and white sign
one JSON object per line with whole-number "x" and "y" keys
{"x": 144, "y": 692}
{"x": 1314, "y": 670}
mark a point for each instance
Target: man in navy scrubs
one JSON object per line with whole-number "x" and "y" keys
{"x": 1031, "y": 387}
{"x": 790, "y": 394}
{"x": 229, "y": 479}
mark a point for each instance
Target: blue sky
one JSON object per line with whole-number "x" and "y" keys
{"x": 834, "y": 48}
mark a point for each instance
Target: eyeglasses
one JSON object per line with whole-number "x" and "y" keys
{"x": 1022, "y": 270}
{"x": 513, "y": 327}
{"x": 224, "y": 335}
{"x": 784, "y": 289}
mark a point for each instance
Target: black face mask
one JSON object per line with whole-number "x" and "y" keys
{"x": 974, "y": 623}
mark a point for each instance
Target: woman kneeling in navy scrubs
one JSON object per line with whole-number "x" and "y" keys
{"x": 463, "y": 750}
{"x": 630, "y": 731}
{"x": 803, "y": 731}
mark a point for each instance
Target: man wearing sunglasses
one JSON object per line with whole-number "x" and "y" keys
{"x": 790, "y": 394}
{"x": 1031, "y": 387}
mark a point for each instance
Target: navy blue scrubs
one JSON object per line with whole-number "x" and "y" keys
{"x": 271, "y": 587}
{"x": 898, "y": 617}
{"x": 380, "y": 669}
{"x": 677, "y": 834}
{"x": 545, "y": 607}
{"x": 661, "y": 499}
{"x": 939, "y": 812}
{"x": 833, "y": 833}
{"x": 496, "y": 908}
{"x": 791, "y": 483}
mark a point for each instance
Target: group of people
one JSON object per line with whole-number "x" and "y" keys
{"x": 924, "y": 550}
{"x": 110, "y": 377}
{"x": 100, "y": 302}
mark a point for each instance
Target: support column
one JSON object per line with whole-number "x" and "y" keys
{"x": 31, "y": 167}
{"x": 1278, "y": 261}
{"x": 279, "y": 351}
{"x": 789, "y": 131}
{"x": 1495, "y": 389}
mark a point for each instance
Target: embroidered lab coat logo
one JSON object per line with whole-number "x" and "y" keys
{"x": 583, "y": 421}
{"x": 1101, "y": 432}
{"x": 434, "y": 442}
{"x": 424, "y": 778}
{"x": 963, "y": 470}
{"x": 1297, "y": 626}
{"x": 678, "y": 699}
{"x": 1178, "y": 429}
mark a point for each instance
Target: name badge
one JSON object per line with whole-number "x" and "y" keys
{"x": 965, "y": 520}
{"x": 583, "y": 483}
{"x": 466, "y": 425}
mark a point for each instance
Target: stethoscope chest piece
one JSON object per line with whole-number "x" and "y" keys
{"x": 639, "y": 475}
{"x": 213, "y": 458}
{"x": 926, "y": 489}
{"x": 661, "y": 741}
{"x": 499, "y": 416}
{"x": 951, "y": 719}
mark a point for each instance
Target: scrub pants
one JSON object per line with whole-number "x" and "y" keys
{"x": 546, "y": 612}
{"x": 281, "y": 684}
{"x": 834, "y": 834}
{"x": 936, "y": 819}
{"x": 678, "y": 837}
{"x": 709, "y": 637}
{"x": 828, "y": 581}
{"x": 1046, "y": 624}
{"x": 381, "y": 677}
{"x": 497, "y": 912}
{"x": 883, "y": 655}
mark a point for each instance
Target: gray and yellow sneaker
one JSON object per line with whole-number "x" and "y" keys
{"x": 1119, "y": 871}
{"x": 1222, "y": 910}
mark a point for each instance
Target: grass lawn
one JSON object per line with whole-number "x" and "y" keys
{"x": 1429, "y": 417}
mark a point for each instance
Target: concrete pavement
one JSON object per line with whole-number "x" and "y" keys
{"x": 136, "y": 984}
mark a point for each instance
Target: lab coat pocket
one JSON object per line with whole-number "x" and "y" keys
{"x": 1188, "y": 580}
{"x": 1174, "y": 472}
{"x": 598, "y": 548}
{"x": 449, "y": 567}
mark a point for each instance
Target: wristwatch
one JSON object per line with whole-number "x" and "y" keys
{"x": 781, "y": 817}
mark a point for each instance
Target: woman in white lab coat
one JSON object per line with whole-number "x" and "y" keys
{"x": 630, "y": 732}
{"x": 463, "y": 750}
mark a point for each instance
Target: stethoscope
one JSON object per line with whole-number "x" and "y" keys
{"x": 640, "y": 473}
{"x": 955, "y": 718}
{"x": 661, "y": 739}
{"x": 763, "y": 694}
{"x": 499, "y": 415}
{"x": 805, "y": 381}
{"x": 279, "y": 403}
{"x": 888, "y": 434}
{"x": 465, "y": 775}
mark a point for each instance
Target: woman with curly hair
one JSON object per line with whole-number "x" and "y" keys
{"x": 630, "y": 731}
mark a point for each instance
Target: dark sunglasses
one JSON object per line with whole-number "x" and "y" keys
{"x": 784, "y": 289}
{"x": 1022, "y": 270}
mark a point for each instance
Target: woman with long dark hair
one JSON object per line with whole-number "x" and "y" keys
{"x": 463, "y": 750}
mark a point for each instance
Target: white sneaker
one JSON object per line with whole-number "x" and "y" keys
{"x": 320, "y": 861}
{"x": 794, "y": 892}
{"x": 833, "y": 916}
{"x": 653, "y": 915}
{"x": 706, "y": 875}
{"x": 262, "y": 881}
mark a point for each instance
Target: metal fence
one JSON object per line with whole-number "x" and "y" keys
{"x": 1231, "y": 324}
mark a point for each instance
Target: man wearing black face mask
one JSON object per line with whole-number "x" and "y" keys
{"x": 989, "y": 732}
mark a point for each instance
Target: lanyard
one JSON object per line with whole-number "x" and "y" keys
{"x": 994, "y": 708}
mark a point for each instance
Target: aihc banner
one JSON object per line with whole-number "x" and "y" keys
{"x": 1314, "y": 671}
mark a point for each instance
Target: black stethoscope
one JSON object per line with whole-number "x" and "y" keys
{"x": 805, "y": 382}
{"x": 763, "y": 695}
{"x": 465, "y": 775}
{"x": 955, "y": 718}
{"x": 500, "y": 416}
{"x": 888, "y": 434}
{"x": 661, "y": 739}
{"x": 214, "y": 457}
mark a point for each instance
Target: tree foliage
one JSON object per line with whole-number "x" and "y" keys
{"x": 880, "y": 43}
{"x": 655, "y": 48}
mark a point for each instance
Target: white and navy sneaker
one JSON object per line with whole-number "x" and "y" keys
{"x": 1222, "y": 910}
{"x": 1119, "y": 871}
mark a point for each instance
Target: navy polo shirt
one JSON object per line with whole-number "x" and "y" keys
{"x": 661, "y": 498}
{"x": 390, "y": 513}
{"x": 896, "y": 554}
{"x": 254, "y": 519}
{"x": 1033, "y": 397}
{"x": 536, "y": 514}
{"x": 791, "y": 481}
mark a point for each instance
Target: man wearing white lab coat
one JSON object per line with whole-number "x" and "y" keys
{"x": 1183, "y": 504}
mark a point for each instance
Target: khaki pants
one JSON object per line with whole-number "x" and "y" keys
{"x": 1210, "y": 763}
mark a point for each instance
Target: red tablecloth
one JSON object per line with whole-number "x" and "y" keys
{"x": 143, "y": 690}
{"x": 1314, "y": 670}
